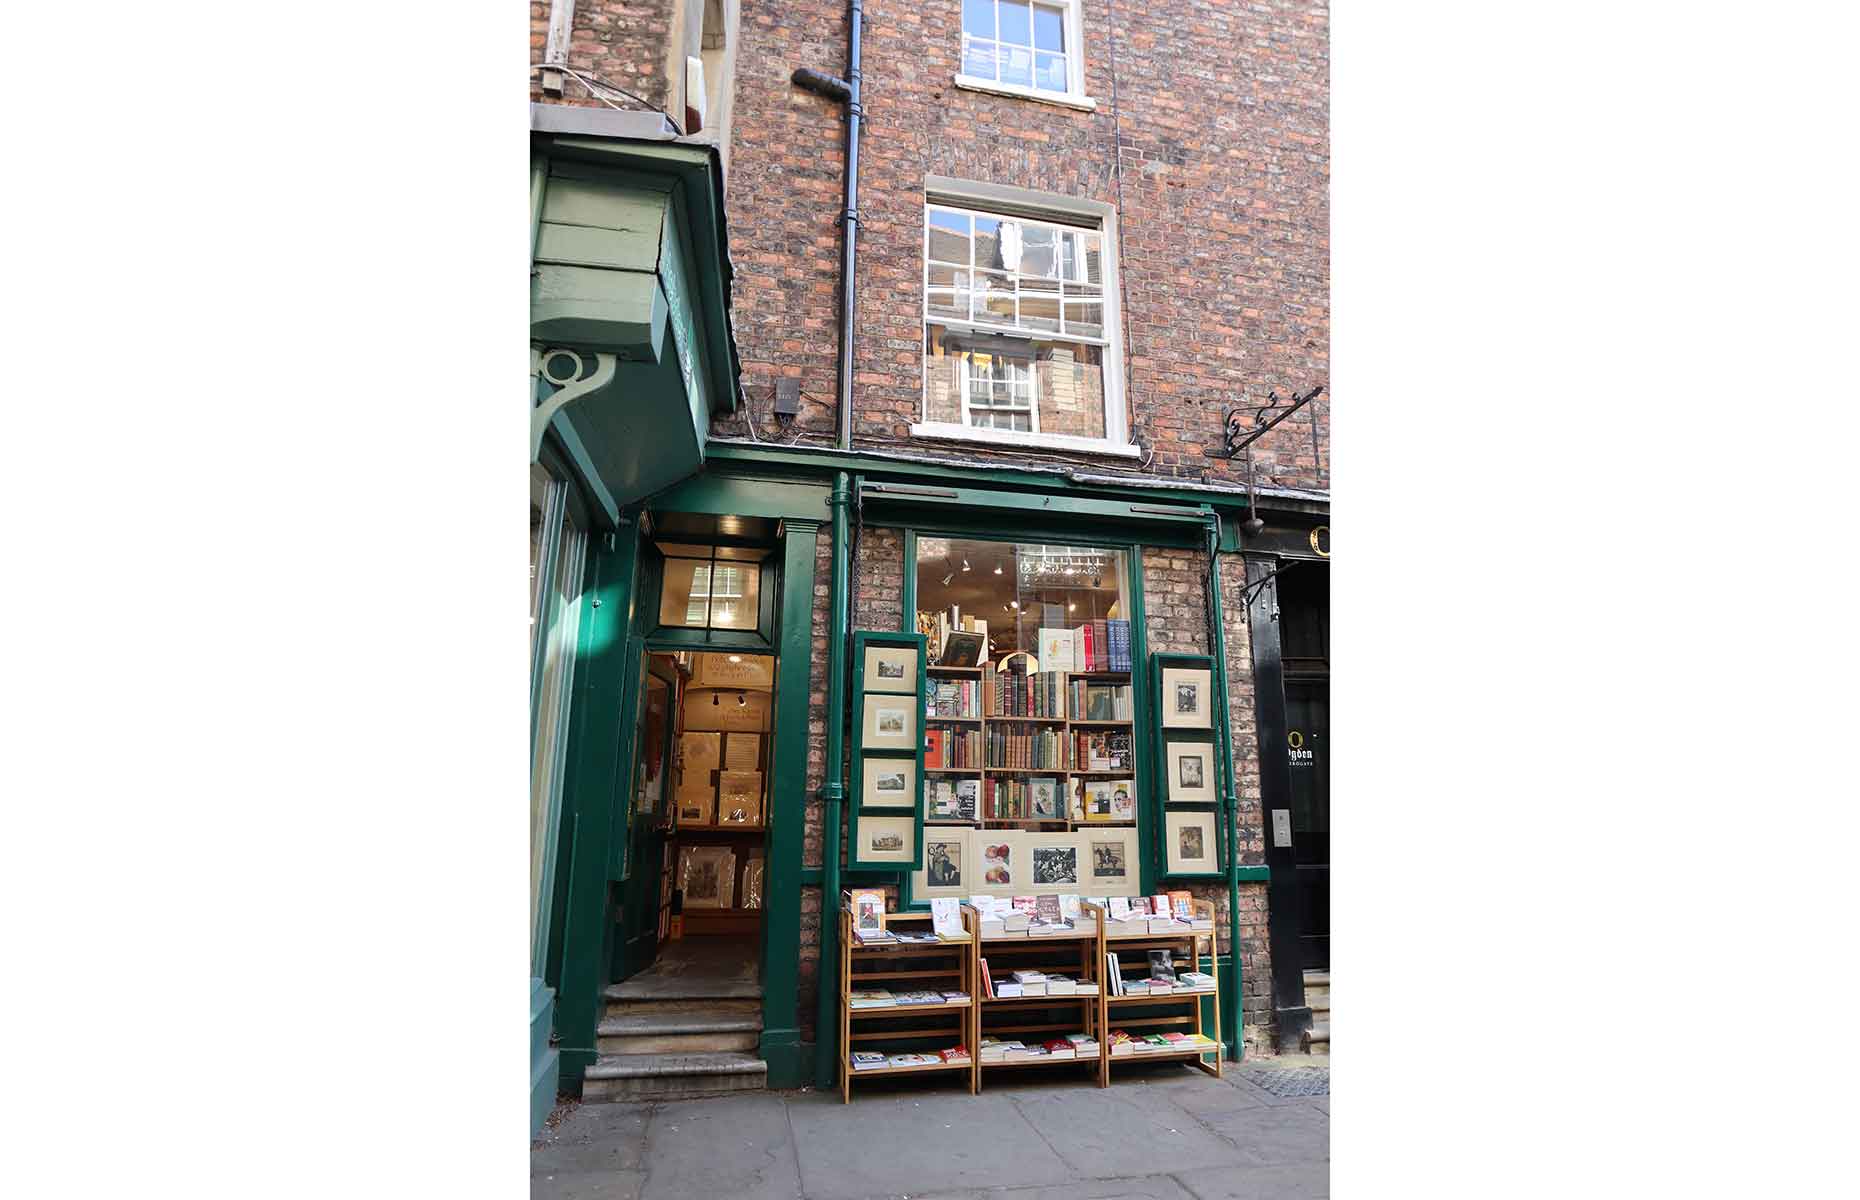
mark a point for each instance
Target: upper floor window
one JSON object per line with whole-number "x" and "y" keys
{"x": 1023, "y": 46}
{"x": 1017, "y": 341}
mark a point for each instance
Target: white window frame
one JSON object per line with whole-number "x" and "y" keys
{"x": 1073, "y": 97}
{"x": 941, "y": 191}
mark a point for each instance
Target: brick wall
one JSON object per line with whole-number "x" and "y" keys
{"x": 627, "y": 43}
{"x": 1219, "y": 128}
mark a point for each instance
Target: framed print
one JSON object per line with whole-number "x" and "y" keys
{"x": 888, "y": 782}
{"x": 696, "y": 807}
{"x": 885, "y": 841}
{"x": 742, "y": 751}
{"x": 708, "y": 875}
{"x": 1189, "y": 839}
{"x": 1187, "y": 698}
{"x": 1054, "y": 865}
{"x": 739, "y": 798}
{"x": 891, "y": 722}
{"x": 891, "y": 669}
{"x": 1109, "y": 857}
{"x": 946, "y": 865}
{"x": 999, "y": 863}
{"x": 1190, "y": 772}
{"x": 699, "y": 755}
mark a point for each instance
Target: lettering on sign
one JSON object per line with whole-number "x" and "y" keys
{"x": 1296, "y": 751}
{"x": 1320, "y": 541}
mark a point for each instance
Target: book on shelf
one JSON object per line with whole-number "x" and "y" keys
{"x": 988, "y": 985}
{"x": 946, "y": 919}
{"x": 1026, "y": 975}
{"x": 1198, "y": 981}
{"x": 1162, "y": 965}
{"x": 951, "y": 997}
{"x": 876, "y": 998}
{"x": 962, "y": 648}
{"x": 1061, "y": 1048}
{"x": 1069, "y": 909}
{"x": 865, "y": 1061}
{"x": 1007, "y": 989}
{"x": 1122, "y": 1043}
{"x": 1046, "y": 907}
{"x": 955, "y": 1054}
{"x": 1113, "y": 976}
{"x": 1154, "y": 1041}
{"x": 913, "y": 1060}
{"x": 907, "y": 998}
{"x": 1021, "y": 1050}
{"x": 1060, "y": 985}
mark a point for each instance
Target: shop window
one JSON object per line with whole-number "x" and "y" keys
{"x": 1015, "y": 589}
{"x": 1017, "y": 337}
{"x": 709, "y": 587}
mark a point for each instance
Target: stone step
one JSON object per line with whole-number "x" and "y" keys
{"x": 648, "y": 989}
{"x": 694, "y": 1009}
{"x": 1317, "y": 979}
{"x": 671, "y": 1076}
{"x": 1318, "y": 1001}
{"x": 1317, "y": 1038}
{"x": 686, "y": 1030}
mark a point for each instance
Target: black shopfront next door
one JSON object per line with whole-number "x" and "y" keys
{"x": 1307, "y": 713}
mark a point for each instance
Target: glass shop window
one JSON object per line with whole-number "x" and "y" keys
{"x": 711, "y": 587}
{"x": 1009, "y": 591}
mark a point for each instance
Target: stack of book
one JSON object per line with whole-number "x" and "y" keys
{"x": 953, "y": 698}
{"x": 996, "y": 1050}
{"x": 876, "y": 998}
{"x": 955, "y": 1054}
{"x": 1087, "y": 701}
{"x": 918, "y": 998}
{"x": 913, "y": 1060}
{"x": 864, "y": 1061}
{"x": 1194, "y": 981}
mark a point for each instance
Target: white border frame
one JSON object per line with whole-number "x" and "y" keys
{"x": 1124, "y": 835}
{"x": 962, "y": 835}
{"x": 1178, "y": 793}
{"x": 869, "y": 825}
{"x": 1174, "y": 720}
{"x": 873, "y": 739}
{"x": 1173, "y": 824}
{"x": 870, "y": 765}
{"x": 966, "y": 192}
{"x": 875, "y": 654}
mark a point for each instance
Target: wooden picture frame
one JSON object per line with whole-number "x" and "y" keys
{"x": 886, "y": 841}
{"x": 891, "y": 670}
{"x": 1191, "y": 842}
{"x": 1187, "y": 698}
{"x": 889, "y": 722}
{"x": 1188, "y": 771}
{"x": 887, "y": 782}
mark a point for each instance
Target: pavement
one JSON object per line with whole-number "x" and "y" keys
{"x": 1161, "y": 1131}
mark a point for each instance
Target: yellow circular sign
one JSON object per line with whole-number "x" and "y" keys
{"x": 1321, "y": 550}
{"x": 1297, "y": 739}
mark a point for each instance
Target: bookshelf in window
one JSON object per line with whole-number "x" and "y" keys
{"x": 924, "y": 1029}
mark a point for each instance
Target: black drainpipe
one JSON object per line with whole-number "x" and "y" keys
{"x": 835, "y": 88}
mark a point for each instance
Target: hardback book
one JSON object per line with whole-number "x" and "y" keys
{"x": 1059, "y": 985}
{"x": 1007, "y": 989}
{"x": 988, "y": 984}
{"x": 1113, "y": 976}
{"x": 955, "y": 997}
{"x": 870, "y": 999}
{"x": 1046, "y": 907}
{"x": 1056, "y": 649}
{"x": 954, "y": 1054}
{"x": 919, "y": 998}
{"x": 1029, "y": 976}
{"x": 1016, "y": 922}
{"x": 912, "y": 1060}
{"x": 868, "y": 908}
{"x": 1137, "y": 987}
{"x": 1069, "y": 909}
{"x": 968, "y": 794}
{"x": 994, "y": 927}
{"x": 1120, "y": 908}
{"x": 946, "y": 918}
{"x": 1196, "y": 980}
{"x": 962, "y": 649}
{"x": 1182, "y": 905}
{"x": 863, "y": 1061}
{"x": 1061, "y": 1048}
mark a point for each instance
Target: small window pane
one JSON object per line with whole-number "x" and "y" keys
{"x": 1085, "y": 319}
{"x": 734, "y": 595}
{"x": 978, "y": 57}
{"x": 1049, "y": 72}
{"x": 1039, "y": 251}
{"x": 949, "y": 236}
{"x": 949, "y": 305}
{"x": 942, "y": 379}
{"x": 1049, "y": 28}
{"x": 1091, "y": 266}
{"x": 1069, "y": 385}
{"x": 994, "y": 298}
{"x": 684, "y": 599}
{"x": 1016, "y": 64}
{"x": 1016, "y": 23}
{"x": 988, "y": 244}
{"x": 978, "y": 17}
{"x": 1039, "y": 309}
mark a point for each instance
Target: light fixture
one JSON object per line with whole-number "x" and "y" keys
{"x": 965, "y": 566}
{"x": 714, "y": 701}
{"x": 1073, "y": 606}
{"x": 948, "y": 577}
{"x": 1015, "y": 603}
{"x": 736, "y": 658}
{"x": 742, "y": 700}
{"x": 997, "y": 568}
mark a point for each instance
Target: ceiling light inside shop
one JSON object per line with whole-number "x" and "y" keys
{"x": 736, "y": 658}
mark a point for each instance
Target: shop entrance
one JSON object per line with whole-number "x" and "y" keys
{"x": 1304, "y": 606}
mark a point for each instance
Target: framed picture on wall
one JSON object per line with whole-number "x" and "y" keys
{"x": 890, "y": 722}
{"x": 999, "y": 864}
{"x": 1109, "y": 859}
{"x": 888, "y": 782}
{"x": 1189, "y": 839}
{"x": 1190, "y": 771}
{"x": 1187, "y": 701}
{"x": 891, "y": 669}
{"x": 708, "y": 875}
{"x": 946, "y": 864}
{"x": 887, "y": 839}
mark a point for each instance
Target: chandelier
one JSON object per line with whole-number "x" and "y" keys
{"x": 1064, "y": 566}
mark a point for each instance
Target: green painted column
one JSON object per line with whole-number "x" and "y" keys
{"x": 832, "y": 795}
{"x": 601, "y": 709}
{"x": 781, "y": 919}
{"x": 1230, "y": 804}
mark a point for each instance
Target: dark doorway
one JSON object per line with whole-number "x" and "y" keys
{"x": 1304, "y": 605}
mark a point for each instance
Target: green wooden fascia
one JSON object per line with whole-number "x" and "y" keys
{"x": 862, "y": 641}
{"x": 732, "y": 491}
{"x": 781, "y": 922}
{"x": 804, "y": 462}
{"x": 694, "y": 175}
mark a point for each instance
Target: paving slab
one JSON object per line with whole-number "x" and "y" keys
{"x": 886, "y": 1145}
{"x": 587, "y": 1185}
{"x": 1126, "y": 1132}
{"x": 736, "y": 1146}
{"x": 1155, "y": 1187}
{"x": 1300, "y": 1181}
{"x": 1272, "y": 1136}
{"x": 594, "y": 1137}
